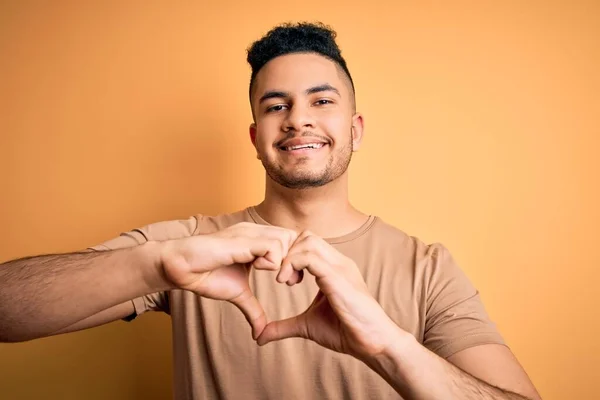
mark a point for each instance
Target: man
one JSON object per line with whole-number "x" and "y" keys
{"x": 373, "y": 312}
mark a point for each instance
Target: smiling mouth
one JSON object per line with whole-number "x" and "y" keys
{"x": 306, "y": 146}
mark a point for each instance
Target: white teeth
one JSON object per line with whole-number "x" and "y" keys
{"x": 305, "y": 146}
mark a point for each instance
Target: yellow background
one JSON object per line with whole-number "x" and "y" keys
{"x": 482, "y": 132}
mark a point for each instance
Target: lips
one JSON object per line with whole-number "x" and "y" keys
{"x": 303, "y": 146}
{"x": 302, "y": 143}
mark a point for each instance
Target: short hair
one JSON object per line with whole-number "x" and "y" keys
{"x": 291, "y": 38}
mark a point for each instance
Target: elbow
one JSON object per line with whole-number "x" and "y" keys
{"x": 11, "y": 333}
{"x": 8, "y": 337}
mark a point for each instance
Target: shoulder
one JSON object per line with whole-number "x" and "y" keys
{"x": 169, "y": 229}
{"x": 387, "y": 238}
{"x": 430, "y": 266}
{"x": 390, "y": 236}
{"x": 212, "y": 223}
{"x": 198, "y": 224}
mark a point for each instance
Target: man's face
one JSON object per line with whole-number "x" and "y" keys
{"x": 306, "y": 128}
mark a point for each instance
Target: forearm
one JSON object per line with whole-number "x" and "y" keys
{"x": 417, "y": 373}
{"x": 44, "y": 294}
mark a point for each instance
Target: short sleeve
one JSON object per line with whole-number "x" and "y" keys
{"x": 166, "y": 230}
{"x": 455, "y": 316}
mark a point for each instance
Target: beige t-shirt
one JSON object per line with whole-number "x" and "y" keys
{"x": 419, "y": 286}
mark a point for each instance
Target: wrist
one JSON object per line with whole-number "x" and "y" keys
{"x": 153, "y": 272}
{"x": 393, "y": 363}
{"x": 399, "y": 345}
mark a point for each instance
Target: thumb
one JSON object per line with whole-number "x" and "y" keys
{"x": 286, "y": 328}
{"x": 252, "y": 310}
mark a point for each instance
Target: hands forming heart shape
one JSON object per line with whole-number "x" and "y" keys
{"x": 343, "y": 317}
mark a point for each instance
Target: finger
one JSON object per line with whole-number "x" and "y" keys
{"x": 287, "y": 269}
{"x": 278, "y": 248}
{"x": 307, "y": 241}
{"x": 264, "y": 264}
{"x": 314, "y": 263}
{"x": 276, "y": 252}
{"x": 251, "y": 230}
{"x": 252, "y": 240}
{"x": 253, "y": 248}
{"x": 261, "y": 263}
{"x": 289, "y": 275}
{"x": 296, "y": 278}
{"x": 287, "y": 241}
{"x": 286, "y": 272}
{"x": 287, "y": 328}
{"x": 303, "y": 235}
{"x": 253, "y": 311}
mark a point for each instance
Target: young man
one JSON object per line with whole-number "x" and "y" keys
{"x": 374, "y": 313}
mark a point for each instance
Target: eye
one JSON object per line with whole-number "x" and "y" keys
{"x": 276, "y": 107}
{"x": 322, "y": 102}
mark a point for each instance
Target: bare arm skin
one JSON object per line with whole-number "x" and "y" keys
{"x": 52, "y": 294}
{"x": 417, "y": 373}
{"x": 43, "y": 295}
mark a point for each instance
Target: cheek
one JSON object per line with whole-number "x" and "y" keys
{"x": 265, "y": 139}
{"x": 338, "y": 126}
{"x": 268, "y": 130}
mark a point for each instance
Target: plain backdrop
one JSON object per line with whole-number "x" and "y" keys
{"x": 482, "y": 128}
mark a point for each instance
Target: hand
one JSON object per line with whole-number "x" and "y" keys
{"x": 343, "y": 317}
{"x": 217, "y": 265}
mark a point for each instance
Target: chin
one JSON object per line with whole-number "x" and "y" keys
{"x": 301, "y": 181}
{"x": 303, "y": 184}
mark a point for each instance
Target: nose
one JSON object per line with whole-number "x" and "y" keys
{"x": 298, "y": 118}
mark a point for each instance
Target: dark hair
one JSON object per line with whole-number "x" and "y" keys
{"x": 295, "y": 38}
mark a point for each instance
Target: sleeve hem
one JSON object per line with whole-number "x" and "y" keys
{"x": 463, "y": 343}
{"x": 139, "y": 307}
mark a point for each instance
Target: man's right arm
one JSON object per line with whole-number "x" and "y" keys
{"x": 47, "y": 295}
{"x": 50, "y": 294}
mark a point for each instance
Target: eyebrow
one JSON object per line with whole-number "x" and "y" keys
{"x": 322, "y": 88}
{"x": 272, "y": 94}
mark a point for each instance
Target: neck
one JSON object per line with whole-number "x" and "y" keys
{"x": 325, "y": 211}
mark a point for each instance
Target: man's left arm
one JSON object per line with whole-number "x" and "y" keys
{"x": 344, "y": 317}
{"x": 488, "y": 371}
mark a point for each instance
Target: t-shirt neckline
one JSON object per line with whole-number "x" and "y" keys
{"x": 255, "y": 216}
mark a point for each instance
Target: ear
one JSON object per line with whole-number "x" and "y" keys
{"x": 358, "y": 130}
{"x": 252, "y": 131}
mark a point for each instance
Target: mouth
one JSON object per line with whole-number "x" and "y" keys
{"x": 305, "y": 147}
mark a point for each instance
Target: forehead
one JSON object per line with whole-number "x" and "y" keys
{"x": 296, "y": 73}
